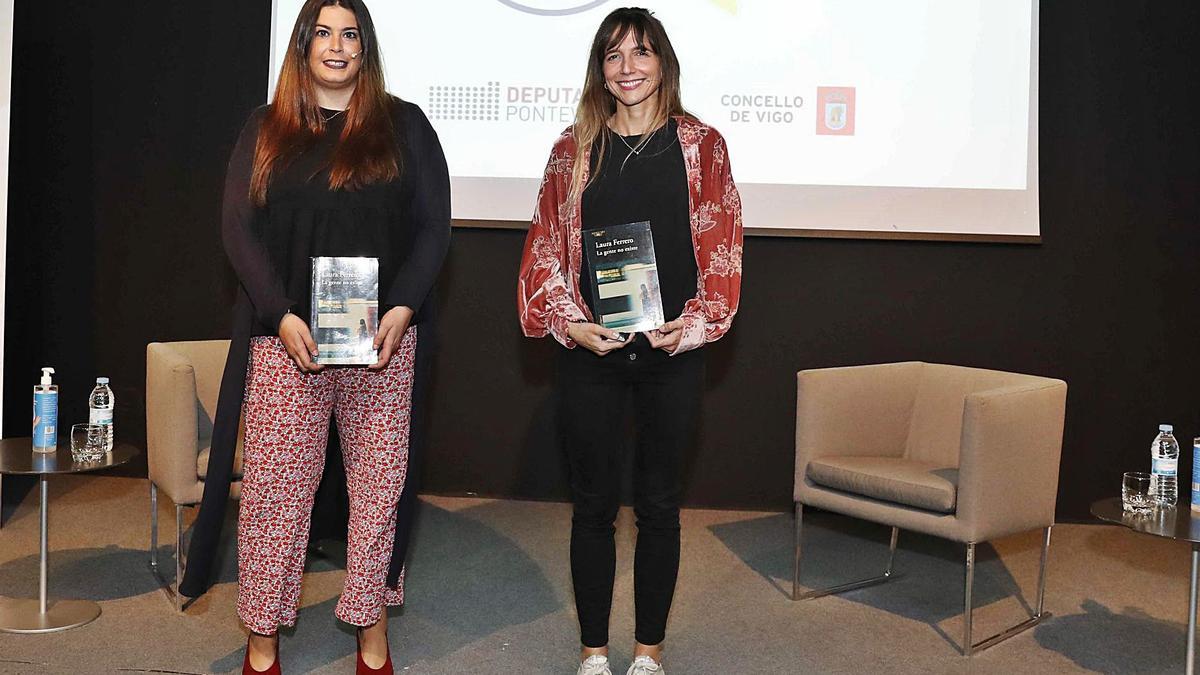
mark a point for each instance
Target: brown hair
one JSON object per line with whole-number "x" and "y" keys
{"x": 366, "y": 152}
{"x": 596, "y": 104}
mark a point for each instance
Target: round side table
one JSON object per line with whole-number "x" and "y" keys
{"x": 1173, "y": 523}
{"x": 39, "y": 616}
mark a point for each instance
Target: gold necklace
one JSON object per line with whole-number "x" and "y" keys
{"x": 631, "y": 149}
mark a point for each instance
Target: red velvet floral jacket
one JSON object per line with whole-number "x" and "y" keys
{"x": 548, "y": 297}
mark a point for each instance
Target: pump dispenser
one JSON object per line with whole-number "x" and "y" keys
{"x": 45, "y": 414}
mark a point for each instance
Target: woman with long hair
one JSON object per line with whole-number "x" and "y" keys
{"x": 334, "y": 166}
{"x": 633, "y": 154}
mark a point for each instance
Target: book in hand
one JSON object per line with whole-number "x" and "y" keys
{"x": 345, "y": 310}
{"x": 624, "y": 277}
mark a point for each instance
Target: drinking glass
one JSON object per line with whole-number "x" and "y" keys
{"x": 87, "y": 442}
{"x": 1135, "y": 492}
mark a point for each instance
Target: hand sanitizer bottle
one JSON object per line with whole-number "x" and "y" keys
{"x": 1196, "y": 474}
{"x": 45, "y": 414}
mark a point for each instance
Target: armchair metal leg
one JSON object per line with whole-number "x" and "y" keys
{"x": 796, "y": 552}
{"x": 968, "y": 608}
{"x": 167, "y": 588}
{"x": 178, "y": 555}
{"x": 969, "y": 648}
{"x": 1041, "y": 597}
{"x": 842, "y": 588}
{"x": 153, "y": 526}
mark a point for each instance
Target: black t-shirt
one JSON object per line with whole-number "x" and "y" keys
{"x": 650, "y": 185}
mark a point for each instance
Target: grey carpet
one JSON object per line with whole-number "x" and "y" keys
{"x": 489, "y": 592}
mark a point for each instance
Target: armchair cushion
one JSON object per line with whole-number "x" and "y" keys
{"x": 202, "y": 462}
{"x": 912, "y": 483}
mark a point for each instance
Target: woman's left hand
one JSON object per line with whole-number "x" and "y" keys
{"x": 666, "y": 337}
{"x": 391, "y": 330}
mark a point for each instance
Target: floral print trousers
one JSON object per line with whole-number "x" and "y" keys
{"x": 287, "y": 425}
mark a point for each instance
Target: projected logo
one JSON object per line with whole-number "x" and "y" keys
{"x": 479, "y": 103}
{"x": 552, "y": 7}
{"x": 778, "y": 108}
{"x": 564, "y": 7}
{"x": 835, "y": 111}
{"x": 511, "y": 103}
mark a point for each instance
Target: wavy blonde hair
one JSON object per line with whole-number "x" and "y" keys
{"x": 597, "y": 105}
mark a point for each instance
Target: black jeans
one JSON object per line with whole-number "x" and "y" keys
{"x": 593, "y": 393}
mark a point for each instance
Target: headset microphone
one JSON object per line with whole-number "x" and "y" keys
{"x": 356, "y": 55}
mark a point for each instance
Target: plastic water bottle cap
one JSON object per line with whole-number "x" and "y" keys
{"x": 104, "y": 380}
{"x": 1167, "y": 428}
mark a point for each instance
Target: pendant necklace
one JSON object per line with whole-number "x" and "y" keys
{"x": 633, "y": 152}
{"x": 636, "y": 151}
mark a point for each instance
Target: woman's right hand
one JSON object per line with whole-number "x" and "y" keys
{"x": 596, "y": 338}
{"x": 296, "y": 338}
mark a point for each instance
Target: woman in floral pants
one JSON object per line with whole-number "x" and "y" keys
{"x": 333, "y": 167}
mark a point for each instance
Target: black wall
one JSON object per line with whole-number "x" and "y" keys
{"x": 123, "y": 119}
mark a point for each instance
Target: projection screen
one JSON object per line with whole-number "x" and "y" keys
{"x": 6, "y": 41}
{"x": 912, "y": 119}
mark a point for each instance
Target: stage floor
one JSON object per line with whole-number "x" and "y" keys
{"x": 489, "y": 592}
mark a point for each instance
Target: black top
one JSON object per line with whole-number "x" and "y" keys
{"x": 400, "y": 222}
{"x": 650, "y": 185}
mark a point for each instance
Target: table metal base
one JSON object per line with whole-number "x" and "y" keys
{"x": 1190, "y": 667}
{"x": 25, "y": 616}
{"x": 40, "y": 615}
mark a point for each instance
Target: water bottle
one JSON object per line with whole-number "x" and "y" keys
{"x": 100, "y": 410}
{"x": 1164, "y": 461}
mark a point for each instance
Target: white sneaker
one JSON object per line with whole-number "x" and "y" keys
{"x": 644, "y": 665}
{"x": 594, "y": 665}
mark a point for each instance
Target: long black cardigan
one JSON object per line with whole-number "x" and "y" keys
{"x": 261, "y": 303}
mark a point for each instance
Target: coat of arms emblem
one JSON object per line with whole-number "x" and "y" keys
{"x": 835, "y": 111}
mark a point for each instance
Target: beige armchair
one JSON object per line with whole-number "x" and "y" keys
{"x": 182, "y": 381}
{"x": 964, "y": 454}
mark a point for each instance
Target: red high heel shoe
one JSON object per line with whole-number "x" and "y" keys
{"x": 363, "y": 669}
{"x": 273, "y": 669}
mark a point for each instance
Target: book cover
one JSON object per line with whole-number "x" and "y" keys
{"x": 345, "y": 310}
{"x": 624, "y": 277}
